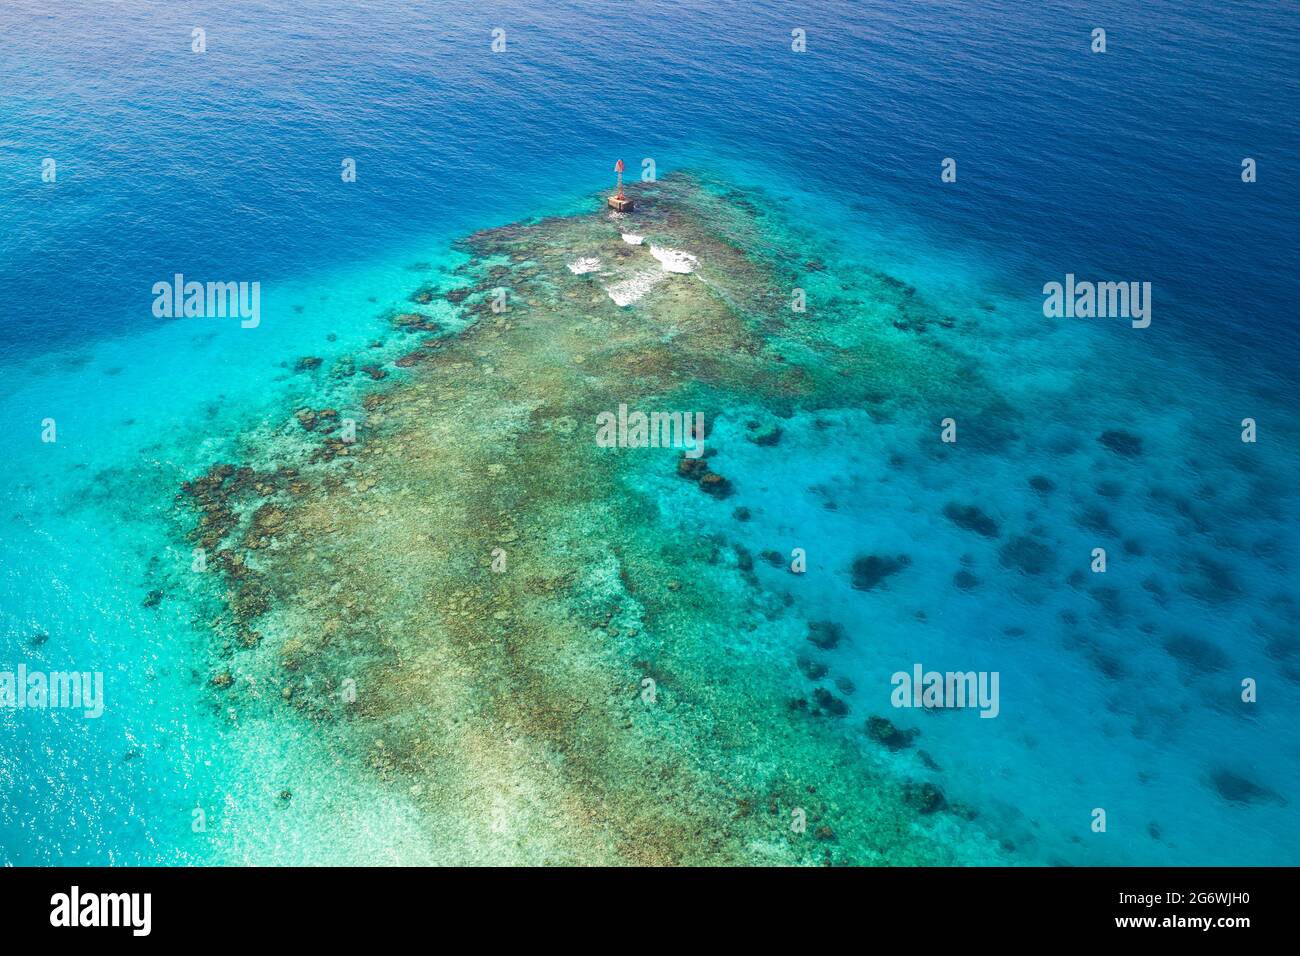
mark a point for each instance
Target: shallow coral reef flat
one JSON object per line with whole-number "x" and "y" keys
{"x": 481, "y": 606}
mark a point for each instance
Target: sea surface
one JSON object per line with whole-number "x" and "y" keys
{"x": 1120, "y": 692}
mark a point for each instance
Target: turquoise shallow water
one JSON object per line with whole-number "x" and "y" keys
{"x": 1123, "y": 697}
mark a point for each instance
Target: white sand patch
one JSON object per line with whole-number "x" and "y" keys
{"x": 674, "y": 260}
{"x": 629, "y": 290}
{"x": 584, "y": 265}
{"x": 632, "y": 239}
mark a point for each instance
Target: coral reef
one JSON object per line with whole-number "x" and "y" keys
{"x": 477, "y": 604}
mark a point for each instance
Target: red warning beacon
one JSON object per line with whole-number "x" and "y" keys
{"x": 618, "y": 202}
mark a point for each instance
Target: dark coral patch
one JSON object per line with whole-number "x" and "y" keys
{"x": 1097, "y": 520}
{"x": 825, "y": 634}
{"x": 1237, "y": 789}
{"x": 924, "y": 797}
{"x": 411, "y": 358}
{"x": 813, "y": 670}
{"x": 971, "y": 518}
{"x": 830, "y": 705}
{"x": 415, "y": 322}
{"x": 716, "y": 485}
{"x": 883, "y": 731}
{"x": 1125, "y": 444}
{"x": 871, "y": 570}
{"x": 1197, "y": 653}
{"x": 698, "y": 471}
{"x": 1027, "y": 555}
{"x": 765, "y": 436}
{"x": 1212, "y": 581}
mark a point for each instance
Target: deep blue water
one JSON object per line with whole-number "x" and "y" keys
{"x": 1125, "y": 163}
{"x": 225, "y": 165}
